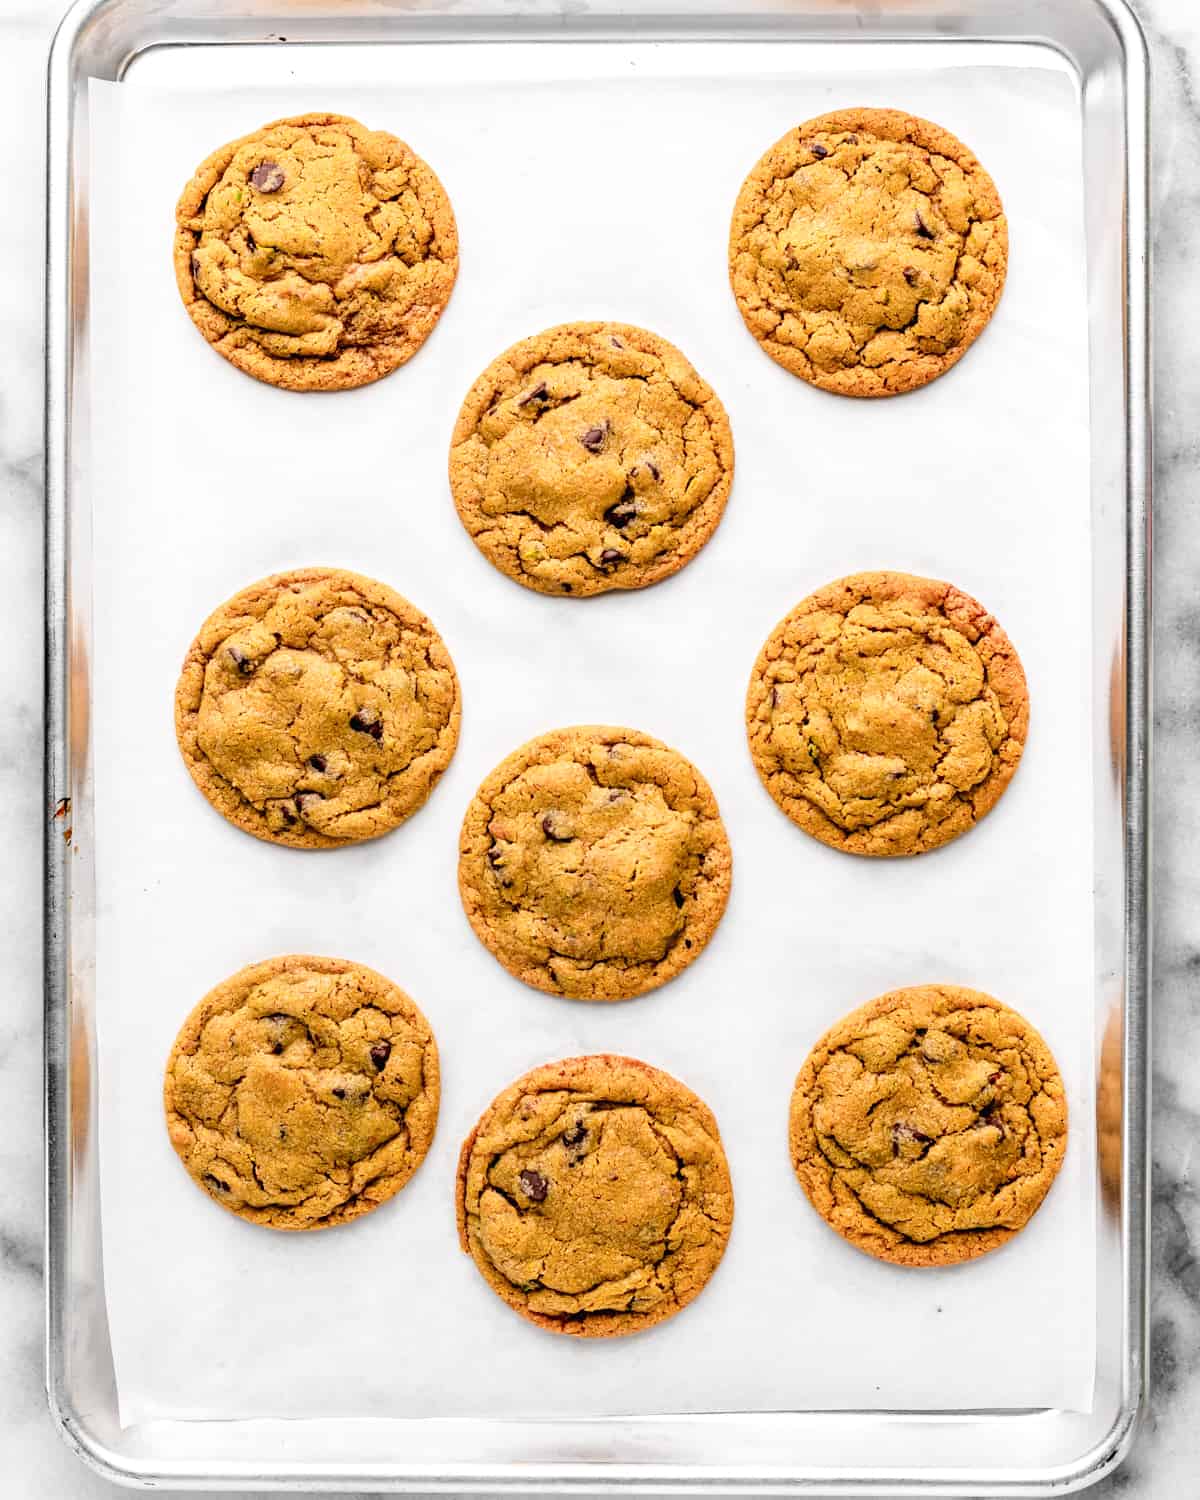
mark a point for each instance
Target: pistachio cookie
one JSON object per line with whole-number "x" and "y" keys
{"x": 591, "y": 457}
{"x": 303, "y": 1092}
{"x": 886, "y": 713}
{"x": 317, "y": 708}
{"x": 594, "y": 863}
{"x": 594, "y": 1196}
{"x": 927, "y": 1126}
{"x": 868, "y": 251}
{"x": 315, "y": 254}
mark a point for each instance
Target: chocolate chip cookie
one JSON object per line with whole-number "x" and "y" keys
{"x": 303, "y": 1092}
{"x": 594, "y": 863}
{"x": 927, "y": 1126}
{"x": 594, "y": 1196}
{"x": 868, "y": 251}
{"x": 317, "y": 708}
{"x": 887, "y": 713}
{"x": 315, "y": 254}
{"x": 591, "y": 457}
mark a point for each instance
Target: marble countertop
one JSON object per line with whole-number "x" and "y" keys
{"x": 1167, "y": 1455}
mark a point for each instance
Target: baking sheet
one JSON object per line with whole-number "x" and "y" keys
{"x": 607, "y": 198}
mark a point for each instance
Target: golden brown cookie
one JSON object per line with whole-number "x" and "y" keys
{"x": 591, "y": 457}
{"x": 1110, "y": 1110}
{"x": 303, "y": 1092}
{"x": 886, "y": 714}
{"x": 315, "y": 254}
{"x": 867, "y": 252}
{"x": 317, "y": 708}
{"x": 927, "y": 1126}
{"x": 594, "y": 864}
{"x": 594, "y": 1196}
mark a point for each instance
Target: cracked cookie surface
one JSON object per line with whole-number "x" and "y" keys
{"x": 868, "y": 251}
{"x": 594, "y": 863}
{"x": 591, "y": 457}
{"x": 887, "y": 714}
{"x": 928, "y": 1125}
{"x": 317, "y": 708}
{"x": 303, "y": 1092}
{"x": 594, "y": 1196}
{"x": 315, "y": 254}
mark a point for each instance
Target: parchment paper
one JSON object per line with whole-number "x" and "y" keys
{"x": 609, "y": 196}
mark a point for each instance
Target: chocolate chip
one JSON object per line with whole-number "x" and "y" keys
{"x": 575, "y": 1136}
{"x": 251, "y": 243}
{"x": 539, "y": 393}
{"x": 677, "y": 897}
{"x": 622, "y": 511}
{"x": 610, "y": 557}
{"x": 318, "y": 762}
{"x": 241, "y": 661}
{"x": 283, "y": 1132}
{"x": 380, "y": 1053}
{"x": 533, "y": 1185}
{"x": 339, "y": 1093}
{"x": 991, "y": 1117}
{"x": 277, "y": 1049}
{"x": 819, "y": 151}
{"x": 902, "y": 1133}
{"x": 305, "y": 800}
{"x": 195, "y": 267}
{"x": 995, "y": 1077}
{"x": 616, "y": 342}
{"x": 593, "y": 438}
{"x": 852, "y": 140}
{"x": 367, "y": 721}
{"x": 551, "y": 830}
{"x": 923, "y": 229}
{"x": 566, "y": 588}
{"x": 267, "y": 177}
{"x": 910, "y": 275}
{"x": 494, "y": 856}
{"x": 214, "y": 1184}
{"x": 654, "y": 470}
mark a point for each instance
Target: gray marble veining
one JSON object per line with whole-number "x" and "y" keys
{"x": 1166, "y": 1460}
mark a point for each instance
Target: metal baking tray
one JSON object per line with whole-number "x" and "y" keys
{"x": 863, "y": 1452}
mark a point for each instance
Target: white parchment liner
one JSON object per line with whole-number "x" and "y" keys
{"x": 605, "y": 195}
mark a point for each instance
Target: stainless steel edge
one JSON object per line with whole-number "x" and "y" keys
{"x": 56, "y": 1030}
{"x": 590, "y": 1478}
{"x": 1139, "y": 720}
{"x": 1107, "y": 1455}
{"x": 59, "y": 1058}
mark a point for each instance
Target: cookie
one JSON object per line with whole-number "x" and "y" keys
{"x": 927, "y": 1126}
{"x": 591, "y": 457}
{"x": 303, "y": 1092}
{"x": 315, "y": 254}
{"x": 317, "y": 708}
{"x": 594, "y": 864}
{"x": 867, "y": 251}
{"x": 886, "y": 714}
{"x": 1110, "y": 1110}
{"x": 594, "y": 1196}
